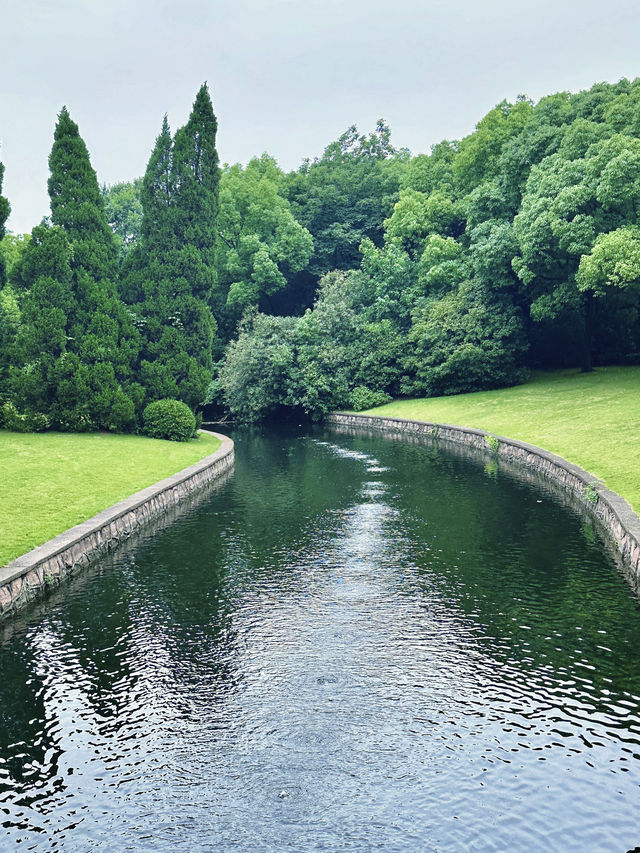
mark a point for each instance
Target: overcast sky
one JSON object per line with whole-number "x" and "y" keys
{"x": 286, "y": 76}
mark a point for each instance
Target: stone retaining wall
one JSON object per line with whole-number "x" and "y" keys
{"x": 613, "y": 514}
{"x": 29, "y": 576}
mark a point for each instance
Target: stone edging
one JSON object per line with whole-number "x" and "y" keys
{"x": 612, "y": 511}
{"x": 28, "y": 576}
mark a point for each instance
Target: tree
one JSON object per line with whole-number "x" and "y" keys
{"x": 8, "y": 306}
{"x": 195, "y": 176}
{"x": 478, "y": 154}
{"x": 567, "y": 204}
{"x": 427, "y": 173}
{"x": 168, "y": 277}
{"x": 416, "y": 215}
{"x": 345, "y": 345}
{"x": 333, "y": 356}
{"x": 609, "y": 276}
{"x": 43, "y": 339}
{"x": 345, "y": 196}
{"x": 516, "y": 247}
{"x": 4, "y": 215}
{"x": 465, "y": 341}
{"x": 157, "y": 226}
{"x": 11, "y": 248}
{"x": 76, "y": 202}
{"x": 74, "y": 353}
{"x": 392, "y": 274}
{"x": 9, "y": 324}
{"x": 613, "y": 262}
{"x": 260, "y": 245}
{"x": 256, "y": 375}
{"x": 123, "y": 207}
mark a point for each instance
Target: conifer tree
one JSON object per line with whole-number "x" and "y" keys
{"x": 7, "y": 302}
{"x": 156, "y": 193}
{"x": 169, "y": 275}
{"x": 195, "y": 177}
{"x": 77, "y": 204}
{"x": 43, "y": 278}
{"x": 75, "y": 353}
{"x": 4, "y": 213}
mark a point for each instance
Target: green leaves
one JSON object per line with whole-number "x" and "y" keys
{"x": 344, "y": 197}
{"x": 73, "y": 352}
{"x": 123, "y": 208}
{"x": 260, "y": 244}
{"x": 168, "y": 277}
{"x": 614, "y": 262}
{"x": 4, "y": 214}
{"x": 463, "y": 342}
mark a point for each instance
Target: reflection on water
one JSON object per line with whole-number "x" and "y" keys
{"x": 355, "y": 644}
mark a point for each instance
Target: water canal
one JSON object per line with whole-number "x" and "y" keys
{"x": 353, "y": 644}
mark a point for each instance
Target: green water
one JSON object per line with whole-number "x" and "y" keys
{"x": 354, "y": 643}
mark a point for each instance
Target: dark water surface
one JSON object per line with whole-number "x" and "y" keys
{"x": 354, "y": 644}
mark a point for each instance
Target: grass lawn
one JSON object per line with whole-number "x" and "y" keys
{"x": 591, "y": 419}
{"x": 51, "y": 481}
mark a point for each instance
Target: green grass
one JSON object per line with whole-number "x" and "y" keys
{"x": 52, "y": 481}
{"x": 591, "y": 419}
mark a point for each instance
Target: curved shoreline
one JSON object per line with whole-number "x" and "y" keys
{"x": 30, "y": 575}
{"x": 611, "y": 510}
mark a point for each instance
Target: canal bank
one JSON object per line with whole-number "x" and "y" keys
{"x": 614, "y": 516}
{"x": 350, "y": 643}
{"x": 30, "y": 575}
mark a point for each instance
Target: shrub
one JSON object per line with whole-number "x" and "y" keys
{"x": 169, "y": 419}
{"x": 14, "y": 421}
{"x": 364, "y": 398}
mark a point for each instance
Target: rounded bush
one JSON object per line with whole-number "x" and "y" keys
{"x": 169, "y": 419}
{"x": 365, "y": 398}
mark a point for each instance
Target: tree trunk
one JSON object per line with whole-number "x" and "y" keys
{"x": 589, "y": 316}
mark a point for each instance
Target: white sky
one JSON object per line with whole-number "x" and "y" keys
{"x": 286, "y": 76}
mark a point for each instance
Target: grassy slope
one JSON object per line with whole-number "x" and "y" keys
{"x": 591, "y": 419}
{"x": 51, "y": 481}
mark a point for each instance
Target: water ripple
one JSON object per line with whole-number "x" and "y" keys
{"x": 397, "y": 654}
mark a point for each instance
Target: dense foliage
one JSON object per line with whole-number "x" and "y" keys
{"x": 365, "y": 274}
{"x": 4, "y": 213}
{"x": 168, "y": 277}
{"x": 7, "y": 301}
{"x": 517, "y": 247}
{"x": 123, "y": 206}
{"x": 74, "y": 349}
{"x": 260, "y": 244}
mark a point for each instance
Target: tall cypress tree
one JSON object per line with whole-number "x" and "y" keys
{"x": 74, "y": 356}
{"x": 195, "y": 176}
{"x": 41, "y": 352}
{"x": 77, "y": 204}
{"x": 142, "y": 268}
{"x": 169, "y": 276}
{"x": 6, "y": 299}
{"x": 5, "y": 209}
{"x": 156, "y": 193}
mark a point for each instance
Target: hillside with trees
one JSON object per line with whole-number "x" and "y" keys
{"x": 365, "y": 274}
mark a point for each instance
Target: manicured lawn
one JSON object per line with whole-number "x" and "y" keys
{"x": 591, "y": 419}
{"x": 51, "y": 481}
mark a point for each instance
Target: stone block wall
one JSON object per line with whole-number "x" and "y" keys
{"x": 29, "y": 576}
{"x": 612, "y": 513}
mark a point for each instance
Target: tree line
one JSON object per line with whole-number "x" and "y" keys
{"x": 88, "y": 340}
{"x": 365, "y": 274}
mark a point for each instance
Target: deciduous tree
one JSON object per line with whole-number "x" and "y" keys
{"x": 260, "y": 245}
